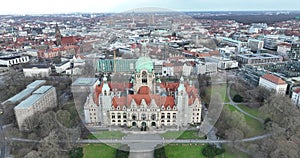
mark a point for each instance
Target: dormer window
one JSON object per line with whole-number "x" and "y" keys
{"x": 168, "y": 108}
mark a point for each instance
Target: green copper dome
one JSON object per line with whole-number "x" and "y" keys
{"x": 144, "y": 63}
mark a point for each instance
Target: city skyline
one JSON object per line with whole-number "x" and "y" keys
{"x": 116, "y": 6}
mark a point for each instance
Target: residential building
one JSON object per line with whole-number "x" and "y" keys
{"x": 283, "y": 49}
{"x": 295, "y": 51}
{"x": 25, "y": 93}
{"x": 63, "y": 66}
{"x": 168, "y": 69}
{"x": 12, "y": 59}
{"x": 258, "y": 58}
{"x": 273, "y": 83}
{"x": 223, "y": 63}
{"x": 296, "y": 97}
{"x": 36, "y": 70}
{"x": 40, "y": 100}
{"x": 206, "y": 68}
{"x": 255, "y": 44}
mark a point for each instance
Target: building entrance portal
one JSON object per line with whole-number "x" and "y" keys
{"x": 133, "y": 123}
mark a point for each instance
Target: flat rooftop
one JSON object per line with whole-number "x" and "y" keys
{"x": 26, "y": 92}
{"x": 258, "y": 56}
{"x": 37, "y": 95}
{"x": 85, "y": 82}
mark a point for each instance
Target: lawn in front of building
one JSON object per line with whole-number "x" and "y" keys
{"x": 195, "y": 151}
{"x": 181, "y": 135}
{"x": 106, "y": 135}
{"x": 99, "y": 151}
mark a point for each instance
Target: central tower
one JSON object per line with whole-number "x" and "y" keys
{"x": 144, "y": 75}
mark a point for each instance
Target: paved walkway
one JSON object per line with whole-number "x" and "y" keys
{"x": 157, "y": 141}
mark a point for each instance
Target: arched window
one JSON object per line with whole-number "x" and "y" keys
{"x": 153, "y": 117}
{"x": 143, "y": 116}
{"x": 168, "y": 115}
{"x": 133, "y": 117}
{"x": 162, "y": 115}
{"x": 144, "y": 77}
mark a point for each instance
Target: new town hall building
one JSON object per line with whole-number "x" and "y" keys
{"x": 143, "y": 101}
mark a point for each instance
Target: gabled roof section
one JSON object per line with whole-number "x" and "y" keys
{"x": 273, "y": 79}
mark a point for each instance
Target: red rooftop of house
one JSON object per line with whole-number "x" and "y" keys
{"x": 297, "y": 90}
{"x": 274, "y": 79}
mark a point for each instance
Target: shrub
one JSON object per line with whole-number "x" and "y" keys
{"x": 159, "y": 152}
{"x": 76, "y": 152}
{"x": 212, "y": 151}
{"x": 122, "y": 152}
{"x": 237, "y": 98}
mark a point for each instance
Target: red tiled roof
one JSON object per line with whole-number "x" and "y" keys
{"x": 214, "y": 52}
{"x": 144, "y": 90}
{"x": 169, "y": 86}
{"x": 168, "y": 64}
{"x": 203, "y": 55}
{"x": 159, "y": 100}
{"x": 297, "y": 90}
{"x": 273, "y": 79}
{"x": 144, "y": 93}
{"x": 68, "y": 40}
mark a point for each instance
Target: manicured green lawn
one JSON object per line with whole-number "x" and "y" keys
{"x": 106, "y": 135}
{"x": 256, "y": 126}
{"x": 252, "y": 111}
{"x": 231, "y": 108}
{"x": 181, "y": 135}
{"x": 98, "y": 151}
{"x": 184, "y": 151}
{"x": 195, "y": 151}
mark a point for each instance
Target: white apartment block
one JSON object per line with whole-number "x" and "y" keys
{"x": 274, "y": 83}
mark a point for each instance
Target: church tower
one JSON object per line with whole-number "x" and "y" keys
{"x": 58, "y": 35}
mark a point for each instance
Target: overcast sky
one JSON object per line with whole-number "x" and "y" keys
{"x": 68, "y": 6}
